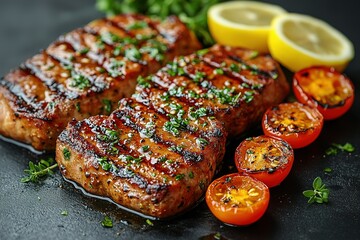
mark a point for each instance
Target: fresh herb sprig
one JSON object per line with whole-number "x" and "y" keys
{"x": 319, "y": 194}
{"x": 335, "y": 148}
{"x": 40, "y": 171}
{"x": 192, "y": 12}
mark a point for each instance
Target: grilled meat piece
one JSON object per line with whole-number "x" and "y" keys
{"x": 131, "y": 158}
{"x": 235, "y": 85}
{"x": 157, "y": 153}
{"x": 84, "y": 73}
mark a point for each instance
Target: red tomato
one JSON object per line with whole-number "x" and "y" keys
{"x": 324, "y": 88}
{"x": 296, "y": 123}
{"x": 264, "y": 158}
{"x": 237, "y": 200}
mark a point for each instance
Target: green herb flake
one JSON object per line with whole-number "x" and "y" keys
{"x": 66, "y": 154}
{"x": 79, "y": 81}
{"x": 202, "y": 52}
{"x": 201, "y": 142}
{"x": 137, "y": 25}
{"x": 107, "y": 222}
{"x": 133, "y": 54}
{"x": 64, "y": 213}
{"x": 328, "y": 170}
{"x": 219, "y": 71}
{"x": 144, "y": 81}
{"x": 234, "y": 67}
{"x": 145, "y": 148}
{"x": 250, "y": 151}
{"x": 319, "y": 194}
{"x": 84, "y": 50}
{"x": 179, "y": 177}
{"x": 149, "y": 222}
{"x": 191, "y": 175}
{"x": 107, "y": 106}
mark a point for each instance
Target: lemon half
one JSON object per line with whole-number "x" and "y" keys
{"x": 242, "y": 23}
{"x": 298, "y": 41}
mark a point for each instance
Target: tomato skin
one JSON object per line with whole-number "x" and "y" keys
{"x": 237, "y": 214}
{"x": 271, "y": 169}
{"x": 299, "y": 138}
{"x": 324, "y": 75}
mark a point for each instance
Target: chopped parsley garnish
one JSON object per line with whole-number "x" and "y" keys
{"x": 219, "y": 71}
{"x": 327, "y": 170}
{"x": 107, "y": 106}
{"x": 224, "y": 96}
{"x": 155, "y": 49}
{"x": 176, "y": 91}
{"x": 107, "y": 222}
{"x": 175, "y": 125}
{"x": 144, "y": 81}
{"x": 145, "y": 148}
{"x": 199, "y": 76}
{"x": 84, "y": 50}
{"x": 130, "y": 159}
{"x": 173, "y": 69}
{"x": 319, "y": 194}
{"x": 248, "y": 96}
{"x": 106, "y": 165}
{"x": 200, "y": 112}
{"x": 250, "y": 151}
{"x": 137, "y": 25}
{"x": 191, "y": 175}
{"x": 201, "y": 142}
{"x": 234, "y": 67}
{"x": 115, "y": 67}
{"x": 133, "y": 54}
{"x": 79, "y": 81}
{"x": 66, "y": 154}
{"x": 109, "y": 135}
{"x": 253, "y": 54}
{"x": 77, "y": 106}
{"x": 179, "y": 177}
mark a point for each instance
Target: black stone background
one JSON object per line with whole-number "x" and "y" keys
{"x": 32, "y": 211}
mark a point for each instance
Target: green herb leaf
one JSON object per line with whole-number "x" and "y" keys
{"x": 333, "y": 150}
{"x": 64, "y": 213}
{"x": 149, "y": 222}
{"x": 327, "y": 170}
{"x": 107, "y": 222}
{"x": 319, "y": 194}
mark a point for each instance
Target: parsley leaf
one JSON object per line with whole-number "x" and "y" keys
{"x": 107, "y": 222}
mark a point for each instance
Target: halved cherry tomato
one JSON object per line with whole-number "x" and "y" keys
{"x": 264, "y": 158}
{"x": 296, "y": 123}
{"x": 329, "y": 91}
{"x": 237, "y": 200}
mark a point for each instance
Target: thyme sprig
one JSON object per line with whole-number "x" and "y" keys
{"x": 319, "y": 194}
{"x": 39, "y": 171}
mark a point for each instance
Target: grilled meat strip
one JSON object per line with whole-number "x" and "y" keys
{"x": 157, "y": 153}
{"x": 86, "y": 72}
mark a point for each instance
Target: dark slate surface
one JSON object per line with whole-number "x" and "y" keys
{"x": 32, "y": 211}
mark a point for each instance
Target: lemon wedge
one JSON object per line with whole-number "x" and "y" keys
{"x": 242, "y": 23}
{"x": 299, "y": 41}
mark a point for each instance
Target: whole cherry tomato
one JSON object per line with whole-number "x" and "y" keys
{"x": 237, "y": 200}
{"x": 296, "y": 123}
{"x": 264, "y": 158}
{"x": 329, "y": 91}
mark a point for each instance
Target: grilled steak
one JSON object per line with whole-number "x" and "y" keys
{"x": 157, "y": 153}
{"x": 84, "y": 73}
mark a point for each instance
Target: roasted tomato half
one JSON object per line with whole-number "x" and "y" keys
{"x": 264, "y": 158}
{"x": 329, "y": 91}
{"x": 296, "y": 123}
{"x": 237, "y": 200}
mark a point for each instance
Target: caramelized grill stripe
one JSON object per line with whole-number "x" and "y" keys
{"x": 126, "y": 111}
{"x": 81, "y": 145}
{"x": 50, "y": 83}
